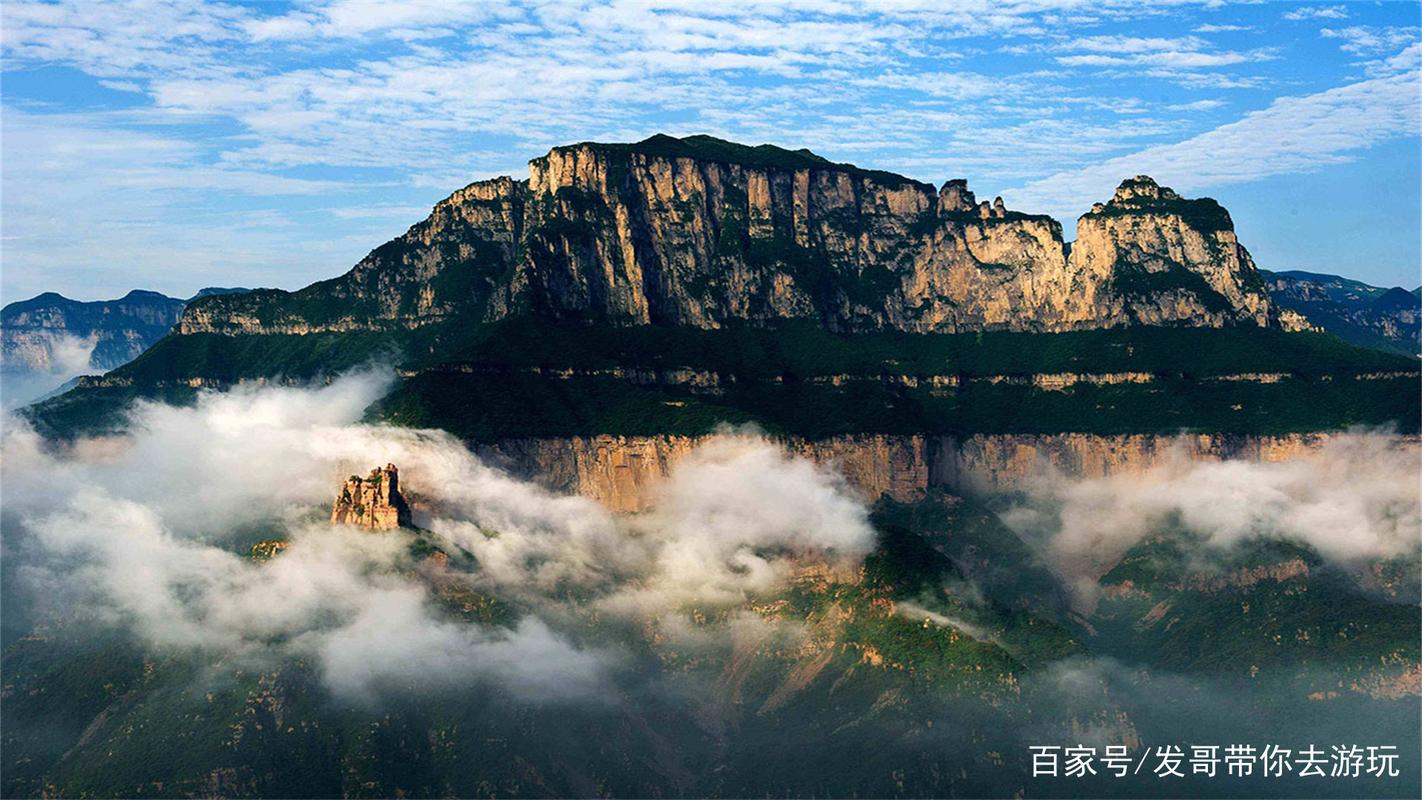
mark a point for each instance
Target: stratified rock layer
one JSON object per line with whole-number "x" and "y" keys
{"x": 110, "y": 332}
{"x": 622, "y": 472}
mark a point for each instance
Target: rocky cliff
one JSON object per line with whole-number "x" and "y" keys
{"x": 113, "y": 331}
{"x": 1149, "y": 256}
{"x": 706, "y": 233}
{"x": 372, "y": 502}
{"x": 622, "y": 472}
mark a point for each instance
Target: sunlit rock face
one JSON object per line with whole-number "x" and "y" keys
{"x": 704, "y": 233}
{"x": 1150, "y": 256}
{"x": 623, "y": 472}
{"x": 372, "y": 502}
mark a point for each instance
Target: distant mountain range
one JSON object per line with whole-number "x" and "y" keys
{"x": 119, "y": 329}
{"x": 1371, "y": 316}
{"x": 48, "y": 339}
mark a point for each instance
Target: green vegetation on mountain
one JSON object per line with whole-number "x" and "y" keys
{"x": 1266, "y": 610}
{"x": 1203, "y": 214}
{"x": 523, "y": 377}
{"x": 922, "y": 675}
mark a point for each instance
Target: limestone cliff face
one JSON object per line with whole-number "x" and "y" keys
{"x": 687, "y": 241}
{"x": 1152, "y": 257}
{"x": 1004, "y": 462}
{"x": 705, "y": 233}
{"x": 372, "y": 502}
{"x": 622, "y": 471}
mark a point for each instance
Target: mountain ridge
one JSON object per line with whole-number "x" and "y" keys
{"x": 706, "y": 233}
{"x": 119, "y": 329}
{"x": 662, "y": 287}
{"x": 1371, "y": 316}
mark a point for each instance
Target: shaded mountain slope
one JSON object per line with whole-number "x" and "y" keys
{"x": 1370, "y": 316}
{"x": 118, "y": 329}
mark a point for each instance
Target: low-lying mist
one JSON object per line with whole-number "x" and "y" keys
{"x": 1356, "y": 499}
{"x": 68, "y": 356}
{"x": 148, "y": 532}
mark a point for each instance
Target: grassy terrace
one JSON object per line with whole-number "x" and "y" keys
{"x": 493, "y": 406}
{"x": 768, "y": 376}
{"x": 791, "y": 350}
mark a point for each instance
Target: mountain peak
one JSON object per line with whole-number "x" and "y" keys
{"x": 1142, "y": 187}
{"x": 145, "y": 295}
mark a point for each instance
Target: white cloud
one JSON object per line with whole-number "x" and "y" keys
{"x": 435, "y": 93}
{"x": 92, "y": 203}
{"x": 1365, "y": 40}
{"x": 1197, "y": 105}
{"x": 1317, "y": 12}
{"x": 414, "y": 19}
{"x": 1186, "y": 53}
{"x": 143, "y": 532}
{"x": 1294, "y": 134}
{"x": 1355, "y": 500}
{"x": 37, "y": 362}
{"x": 1133, "y": 44}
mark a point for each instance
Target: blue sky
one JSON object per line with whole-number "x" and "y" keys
{"x": 175, "y": 145}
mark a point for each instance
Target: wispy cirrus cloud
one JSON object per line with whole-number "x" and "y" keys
{"x": 1292, "y": 134}
{"x": 1190, "y": 52}
{"x": 1367, "y": 40}
{"x": 338, "y": 104}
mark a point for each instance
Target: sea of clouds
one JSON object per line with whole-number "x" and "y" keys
{"x": 148, "y": 532}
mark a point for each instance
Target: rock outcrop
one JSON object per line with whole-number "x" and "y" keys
{"x": 706, "y": 233}
{"x": 1150, "y": 256}
{"x": 372, "y": 502}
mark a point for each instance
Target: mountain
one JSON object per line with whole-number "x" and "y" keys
{"x": 927, "y": 671}
{"x": 118, "y": 329}
{"x": 1371, "y": 316}
{"x": 592, "y": 330}
{"x": 668, "y": 286}
{"x": 705, "y": 233}
{"x": 48, "y": 339}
